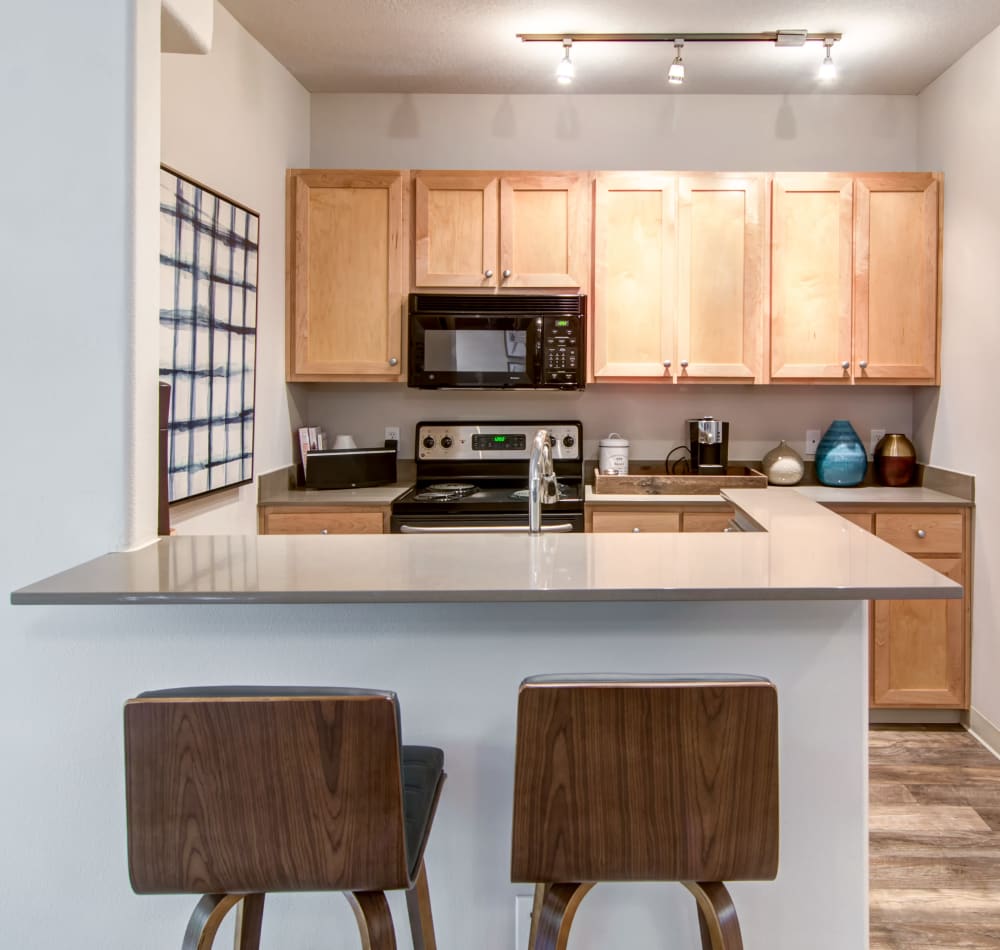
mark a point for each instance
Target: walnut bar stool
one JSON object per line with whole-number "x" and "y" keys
{"x": 234, "y": 791}
{"x": 644, "y": 778}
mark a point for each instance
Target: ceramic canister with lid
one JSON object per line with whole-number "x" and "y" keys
{"x": 613, "y": 455}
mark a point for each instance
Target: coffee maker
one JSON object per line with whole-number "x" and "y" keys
{"x": 709, "y": 440}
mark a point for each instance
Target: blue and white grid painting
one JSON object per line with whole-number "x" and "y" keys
{"x": 208, "y": 335}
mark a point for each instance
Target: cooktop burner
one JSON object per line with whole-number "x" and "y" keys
{"x": 445, "y": 491}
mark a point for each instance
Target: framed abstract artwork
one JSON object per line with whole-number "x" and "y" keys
{"x": 208, "y": 335}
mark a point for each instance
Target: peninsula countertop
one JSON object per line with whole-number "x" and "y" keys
{"x": 804, "y": 552}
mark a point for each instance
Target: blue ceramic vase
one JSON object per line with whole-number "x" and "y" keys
{"x": 841, "y": 460}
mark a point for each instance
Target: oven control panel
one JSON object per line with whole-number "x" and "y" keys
{"x": 500, "y": 441}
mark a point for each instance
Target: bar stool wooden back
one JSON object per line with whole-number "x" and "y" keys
{"x": 232, "y": 792}
{"x": 644, "y": 778}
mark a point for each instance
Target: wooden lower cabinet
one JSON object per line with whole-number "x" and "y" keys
{"x": 920, "y": 649}
{"x": 651, "y": 516}
{"x": 342, "y": 519}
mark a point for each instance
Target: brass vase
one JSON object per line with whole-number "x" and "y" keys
{"x": 895, "y": 460}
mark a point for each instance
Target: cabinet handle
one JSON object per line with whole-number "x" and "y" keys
{"x": 921, "y": 533}
{"x": 666, "y": 364}
{"x": 636, "y": 530}
{"x": 846, "y": 364}
{"x": 684, "y": 364}
{"x": 487, "y": 273}
{"x": 393, "y": 361}
{"x": 863, "y": 364}
{"x": 324, "y": 531}
{"x": 506, "y": 274}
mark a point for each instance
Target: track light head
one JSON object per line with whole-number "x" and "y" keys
{"x": 828, "y": 69}
{"x": 566, "y": 71}
{"x": 675, "y": 75}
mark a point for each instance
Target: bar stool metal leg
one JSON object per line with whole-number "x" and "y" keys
{"x": 205, "y": 920}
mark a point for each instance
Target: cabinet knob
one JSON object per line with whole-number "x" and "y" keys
{"x": 666, "y": 364}
{"x": 921, "y": 533}
{"x": 636, "y": 530}
{"x": 846, "y": 364}
{"x": 506, "y": 274}
{"x": 393, "y": 361}
{"x": 324, "y": 531}
{"x": 684, "y": 364}
{"x": 487, "y": 273}
{"x": 863, "y": 364}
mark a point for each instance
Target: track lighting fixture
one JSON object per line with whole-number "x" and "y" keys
{"x": 828, "y": 69}
{"x": 675, "y": 75}
{"x": 565, "y": 71}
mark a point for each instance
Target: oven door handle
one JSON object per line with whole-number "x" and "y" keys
{"x": 490, "y": 529}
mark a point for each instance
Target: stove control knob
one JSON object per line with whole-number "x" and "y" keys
{"x": 569, "y": 441}
{"x": 446, "y": 442}
{"x": 429, "y": 442}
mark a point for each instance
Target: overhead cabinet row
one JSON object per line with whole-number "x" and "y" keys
{"x": 691, "y": 277}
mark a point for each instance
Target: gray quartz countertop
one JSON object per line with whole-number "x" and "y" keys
{"x": 805, "y": 552}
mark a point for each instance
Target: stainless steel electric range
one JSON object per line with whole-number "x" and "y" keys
{"x": 474, "y": 478}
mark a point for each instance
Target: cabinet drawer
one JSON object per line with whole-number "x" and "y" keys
{"x": 323, "y": 522}
{"x": 863, "y": 519}
{"x": 925, "y": 532}
{"x": 636, "y": 521}
{"x": 706, "y": 520}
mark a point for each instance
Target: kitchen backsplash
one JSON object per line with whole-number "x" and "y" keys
{"x": 650, "y": 417}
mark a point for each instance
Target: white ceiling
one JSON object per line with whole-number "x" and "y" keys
{"x": 889, "y": 46}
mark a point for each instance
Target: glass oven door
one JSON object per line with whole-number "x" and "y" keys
{"x": 552, "y": 522}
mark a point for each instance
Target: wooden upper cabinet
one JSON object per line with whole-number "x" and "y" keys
{"x": 896, "y": 236}
{"x": 811, "y": 276}
{"x": 720, "y": 276}
{"x": 513, "y": 230}
{"x": 455, "y": 229}
{"x": 635, "y": 274}
{"x": 344, "y": 274}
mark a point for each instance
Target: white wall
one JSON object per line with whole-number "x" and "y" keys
{"x": 959, "y": 133}
{"x": 751, "y": 133}
{"x": 235, "y": 120}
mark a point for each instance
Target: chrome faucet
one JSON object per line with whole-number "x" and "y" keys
{"x": 543, "y": 487}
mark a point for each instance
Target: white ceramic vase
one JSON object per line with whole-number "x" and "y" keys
{"x": 783, "y": 465}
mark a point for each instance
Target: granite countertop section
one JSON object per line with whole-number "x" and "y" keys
{"x": 806, "y": 552}
{"x": 379, "y": 495}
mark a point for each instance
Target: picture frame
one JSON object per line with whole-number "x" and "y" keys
{"x": 209, "y": 270}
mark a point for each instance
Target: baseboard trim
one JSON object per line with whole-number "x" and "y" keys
{"x": 930, "y": 716}
{"x": 984, "y": 730}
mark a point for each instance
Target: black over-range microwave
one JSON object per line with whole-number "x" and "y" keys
{"x": 464, "y": 341}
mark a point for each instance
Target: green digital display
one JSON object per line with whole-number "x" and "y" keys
{"x": 499, "y": 438}
{"x": 562, "y": 323}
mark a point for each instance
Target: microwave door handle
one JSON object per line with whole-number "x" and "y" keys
{"x": 487, "y": 529}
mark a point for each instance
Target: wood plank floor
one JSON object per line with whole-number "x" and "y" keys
{"x": 935, "y": 840}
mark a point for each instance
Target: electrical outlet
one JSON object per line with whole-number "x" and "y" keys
{"x": 875, "y": 436}
{"x": 812, "y": 441}
{"x": 392, "y": 434}
{"x": 523, "y": 904}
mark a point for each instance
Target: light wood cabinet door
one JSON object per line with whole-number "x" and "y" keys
{"x": 919, "y": 648}
{"x": 896, "y": 237}
{"x": 720, "y": 277}
{"x": 635, "y": 521}
{"x": 455, "y": 229}
{"x": 344, "y": 275}
{"x": 348, "y": 519}
{"x": 811, "y": 277}
{"x": 544, "y": 230}
{"x": 635, "y": 269}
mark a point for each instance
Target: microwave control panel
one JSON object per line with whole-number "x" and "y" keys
{"x": 561, "y": 338}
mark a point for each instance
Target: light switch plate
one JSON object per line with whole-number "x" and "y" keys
{"x": 875, "y": 436}
{"x": 812, "y": 441}
{"x": 523, "y": 904}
